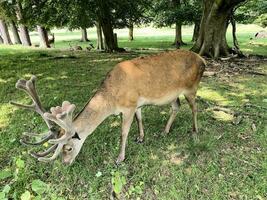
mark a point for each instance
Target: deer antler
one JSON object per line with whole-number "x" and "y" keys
{"x": 28, "y": 86}
{"x": 62, "y": 116}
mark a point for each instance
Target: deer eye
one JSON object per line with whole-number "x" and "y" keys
{"x": 68, "y": 148}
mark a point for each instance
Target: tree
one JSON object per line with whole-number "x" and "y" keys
{"x": 81, "y": 16}
{"x": 131, "y": 13}
{"x": 212, "y": 36}
{"x": 252, "y": 11}
{"x": 169, "y": 12}
{"x": 15, "y": 33}
{"x": 100, "y": 44}
{"x": 84, "y": 35}
{"x": 4, "y": 32}
{"x": 24, "y": 32}
{"x": 118, "y": 14}
{"x": 1, "y": 40}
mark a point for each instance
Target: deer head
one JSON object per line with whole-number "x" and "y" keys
{"x": 63, "y": 139}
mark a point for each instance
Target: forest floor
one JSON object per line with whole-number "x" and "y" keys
{"x": 229, "y": 162}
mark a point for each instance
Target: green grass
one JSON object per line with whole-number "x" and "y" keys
{"x": 229, "y": 162}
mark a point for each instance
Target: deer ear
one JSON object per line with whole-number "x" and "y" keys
{"x": 76, "y": 136}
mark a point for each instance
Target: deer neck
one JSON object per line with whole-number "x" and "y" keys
{"x": 92, "y": 115}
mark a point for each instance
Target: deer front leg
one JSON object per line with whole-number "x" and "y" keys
{"x": 127, "y": 119}
{"x": 175, "y": 105}
{"x": 138, "y": 115}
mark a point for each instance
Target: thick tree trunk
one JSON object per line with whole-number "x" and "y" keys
{"x": 43, "y": 37}
{"x": 104, "y": 16}
{"x": 211, "y": 41}
{"x": 196, "y": 31}
{"x": 4, "y": 32}
{"x": 178, "y": 35}
{"x": 131, "y": 32}
{"x": 24, "y": 33}
{"x": 14, "y": 30}
{"x": 99, "y": 44}
{"x": 84, "y": 35}
{"x": 109, "y": 36}
{"x": 1, "y": 39}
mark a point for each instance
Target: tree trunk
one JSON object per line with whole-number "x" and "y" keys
{"x": 104, "y": 16}
{"x": 178, "y": 35}
{"x": 99, "y": 44}
{"x": 4, "y": 32}
{"x": 196, "y": 31}
{"x": 1, "y": 40}
{"x": 84, "y": 35}
{"x": 131, "y": 32}
{"x": 115, "y": 40}
{"x": 232, "y": 20}
{"x": 14, "y": 30}
{"x": 24, "y": 33}
{"x": 43, "y": 37}
{"x": 109, "y": 36}
{"x": 211, "y": 41}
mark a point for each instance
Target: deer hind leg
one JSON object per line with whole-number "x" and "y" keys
{"x": 192, "y": 103}
{"x": 174, "y": 105}
{"x": 138, "y": 115}
{"x": 127, "y": 119}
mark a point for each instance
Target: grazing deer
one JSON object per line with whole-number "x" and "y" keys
{"x": 157, "y": 79}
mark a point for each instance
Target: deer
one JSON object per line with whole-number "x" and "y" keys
{"x": 151, "y": 80}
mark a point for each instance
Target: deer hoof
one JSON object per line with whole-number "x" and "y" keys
{"x": 139, "y": 140}
{"x": 120, "y": 159}
{"x": 164, "y": 133}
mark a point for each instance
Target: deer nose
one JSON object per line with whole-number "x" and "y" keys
{"x": 68, "y": 162}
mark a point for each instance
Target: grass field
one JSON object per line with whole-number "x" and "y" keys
{"x": 229, "y": 162}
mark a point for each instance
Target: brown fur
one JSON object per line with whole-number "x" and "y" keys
{"x": 157, "y": 79}
{"x": 153, "y": 76}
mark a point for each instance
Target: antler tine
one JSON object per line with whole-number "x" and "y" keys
{"x": 30, "y": 89}
{"x": 54, "y": 156}
{"x": 63, "y": 117}
{"x": 45, "y": 139}
{"x": 45, "y": 153}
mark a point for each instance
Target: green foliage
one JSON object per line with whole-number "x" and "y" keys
{"x": 26, "y": 195}
{"x": 118, "y": 181}
{"x": 252, "y": 11}
{"x": 261, "y": 20}
{"x": 39, "y": 186}
{"x": 168, "y": 12}
{"x": 5, "y": 174}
